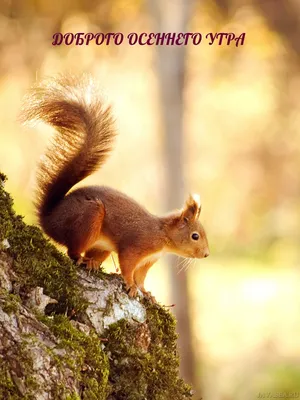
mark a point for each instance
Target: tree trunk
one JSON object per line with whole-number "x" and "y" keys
{"x": 66, "y": 334}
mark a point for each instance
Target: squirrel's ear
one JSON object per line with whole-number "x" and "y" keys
{"x": 192, "y": 208}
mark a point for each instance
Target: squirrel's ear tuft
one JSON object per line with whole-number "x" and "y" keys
{"x": 192, "y": 208}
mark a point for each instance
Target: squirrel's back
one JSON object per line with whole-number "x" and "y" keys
{"x": 96, "y": 220}
{"x": 83, "y": 139}
{"x": 121, "y": 214}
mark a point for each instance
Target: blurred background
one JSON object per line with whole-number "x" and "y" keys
{"x": 223, "y": 121}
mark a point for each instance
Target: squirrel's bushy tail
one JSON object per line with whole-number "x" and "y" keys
{"x": 83, "y": 139}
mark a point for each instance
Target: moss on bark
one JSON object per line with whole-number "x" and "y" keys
{"x": 132, "y": 360}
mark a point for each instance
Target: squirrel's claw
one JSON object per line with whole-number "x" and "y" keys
{"x": 132, "y": 290}
{"x": 149, "y": 296}
{"x": 90, "y": 263}
{"x": 93, "y": 265}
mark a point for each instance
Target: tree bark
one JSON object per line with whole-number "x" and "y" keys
{"x": 66, "y": 334}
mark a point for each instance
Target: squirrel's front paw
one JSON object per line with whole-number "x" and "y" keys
{"x": 132, "y": 290}
{"x": 149, "y": 296}
{"x": 90, "y": 263}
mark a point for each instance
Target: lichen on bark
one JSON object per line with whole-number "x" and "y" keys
{"x": 66, "y": 334}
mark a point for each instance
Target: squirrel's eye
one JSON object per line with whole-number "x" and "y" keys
{"x": 195, "y": 236}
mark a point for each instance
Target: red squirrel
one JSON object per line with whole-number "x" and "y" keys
{"x": 93, "y": 221}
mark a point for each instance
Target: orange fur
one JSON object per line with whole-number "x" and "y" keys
{"x": 95, "y": 220}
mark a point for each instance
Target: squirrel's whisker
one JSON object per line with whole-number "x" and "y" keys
{"x": 180, "y": 261}
{"x": 94, "y": 221}
{"x": 184, "y": 264}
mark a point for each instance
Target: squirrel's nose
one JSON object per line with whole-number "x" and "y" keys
{"x": 206, "y": 254}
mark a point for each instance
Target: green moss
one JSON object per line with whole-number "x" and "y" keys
{"x": 11, "y": 303}
{"x": 87, "y": 360}
{"x": 73, "y": 397}
{"x": 8, "y": 388}
{"x": 138, "y": 360}
{"x": 145, "y": 371}
{"x": 37, "y": 262}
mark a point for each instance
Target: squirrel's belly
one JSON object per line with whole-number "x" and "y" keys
{"x": 150, "y": 258}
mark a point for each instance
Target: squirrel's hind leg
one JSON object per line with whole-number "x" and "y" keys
{"x": 87, "y": 231}
{"x": 94, "y": 257}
